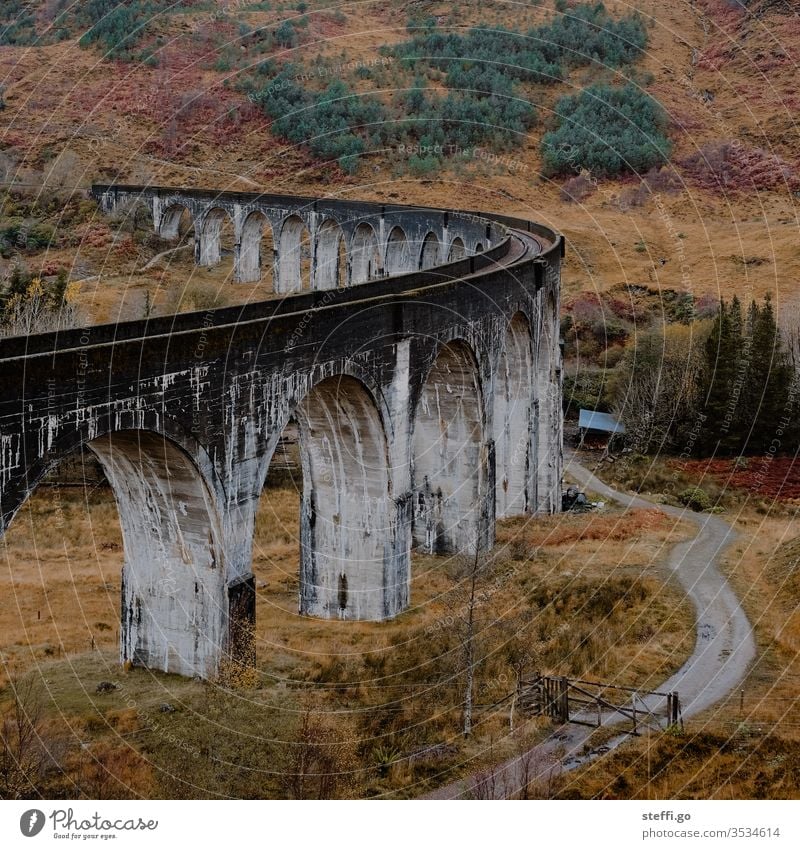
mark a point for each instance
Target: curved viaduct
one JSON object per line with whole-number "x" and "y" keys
{"x": 417, "y": 351}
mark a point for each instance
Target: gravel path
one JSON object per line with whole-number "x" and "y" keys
{"x": 724, "y": 648}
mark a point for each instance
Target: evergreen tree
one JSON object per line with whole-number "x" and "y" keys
{"x": 770, "y": 379}
{"x": 736, "y": 415}
{"x": 748, "y": 380}
{"x": 718, "y": 381}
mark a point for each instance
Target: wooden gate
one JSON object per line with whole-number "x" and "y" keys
{"x": 594, "y": 703}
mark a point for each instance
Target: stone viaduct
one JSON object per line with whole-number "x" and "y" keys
{"x": 416, "y": 350}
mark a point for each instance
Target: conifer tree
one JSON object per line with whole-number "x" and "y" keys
{"x": 769, "y": 378}
{"x": 748, "y": 379}
{"x": 719, "y": 374}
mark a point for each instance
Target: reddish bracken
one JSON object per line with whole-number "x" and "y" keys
{"x": 595, "y": 526}
{"x": 731, "y": 166}
{"x": 765, "y": 476}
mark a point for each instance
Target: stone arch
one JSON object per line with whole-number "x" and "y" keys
{"x": 547, "y": 420}
{"x": 398, "y": 252}
{"x": 513, "y": 421}
{"x": 450, "y": 469}
{"x": 250, "y": 263}
{"x": 176, "y": 220}
{"x": 365, "y": 258}
{"x": 292, "y": 250}
{"x": 429, "y": 255}
{"x": 331, "y": 264}
{"x": 457, "y": 250}
{"x": 479, "y": 248}
{"x": 209, "y": 250}
{"x": 352, "y": 561}
{"x": 136, "y": 214}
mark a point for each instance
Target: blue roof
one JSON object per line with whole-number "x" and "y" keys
{"x": 592, "y": 420}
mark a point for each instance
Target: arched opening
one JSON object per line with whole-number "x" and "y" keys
{"x": 145, "y": 578}
{"x": 331, "y": 261}
{"x": 547, "y": 420}
{"x": 294, "y": 256}
{"x": 176, "y": 222}
{"x": 398, "y": 253}
{"x": 479, "y": 248}
{"x": 429, "y": 255}
{"x": 217, "y": 242}
{"x": 62, "y": 563}
{"x": 135, "y": 216}
{"x": 513, "y": 422}
{"x": 457, "y": 250}
{"x": 450, "y": 461}
{"x": 331, "y": 467}
{"x": 255, "y": 250}
{"x": 365, "y": 258}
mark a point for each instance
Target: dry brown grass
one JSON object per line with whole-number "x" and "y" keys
{"x": 60, "y": 578}
{"x": 578, "y": 594}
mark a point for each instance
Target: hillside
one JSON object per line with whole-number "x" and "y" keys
{"x": 721, "y": 217}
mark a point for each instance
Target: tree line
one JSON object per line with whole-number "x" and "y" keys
{"x": 725, "y": 387}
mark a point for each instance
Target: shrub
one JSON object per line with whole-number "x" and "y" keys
{"x": 695, "y": 498}
{"x": 17, "y": 23}
{"x": 577, "y": 189}
{"x": 586, "y": 389}
{"x": 286, "y": 35}
{"x": 117, "y": 27}
{"x": 543, "y": 54}
{"x": 332, "y": 123}
{"x": 421, "y": 166}
{"x": 607, "y": 130}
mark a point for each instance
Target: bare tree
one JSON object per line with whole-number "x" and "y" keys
{"x": 483, "y": 785}
{"x": 470, "y": 574}
{"x": 657, "y": 386}
{"x": 320, "y": 763}
{"x": 23, "y": 756}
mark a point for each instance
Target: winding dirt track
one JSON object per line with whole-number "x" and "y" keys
{"x": 724, "y": 648}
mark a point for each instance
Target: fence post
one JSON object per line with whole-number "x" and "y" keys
{"x": 564, "y": 700}
{"x": 633, "y": 703}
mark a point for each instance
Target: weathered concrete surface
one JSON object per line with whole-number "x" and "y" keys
{"x": 172, "y": 578}
{"x": 453, "y": 505}
{"x": 513, "y": 423}
{"x": 393, "y": 385}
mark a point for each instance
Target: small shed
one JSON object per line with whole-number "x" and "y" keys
{"x": 597, "y": 430}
